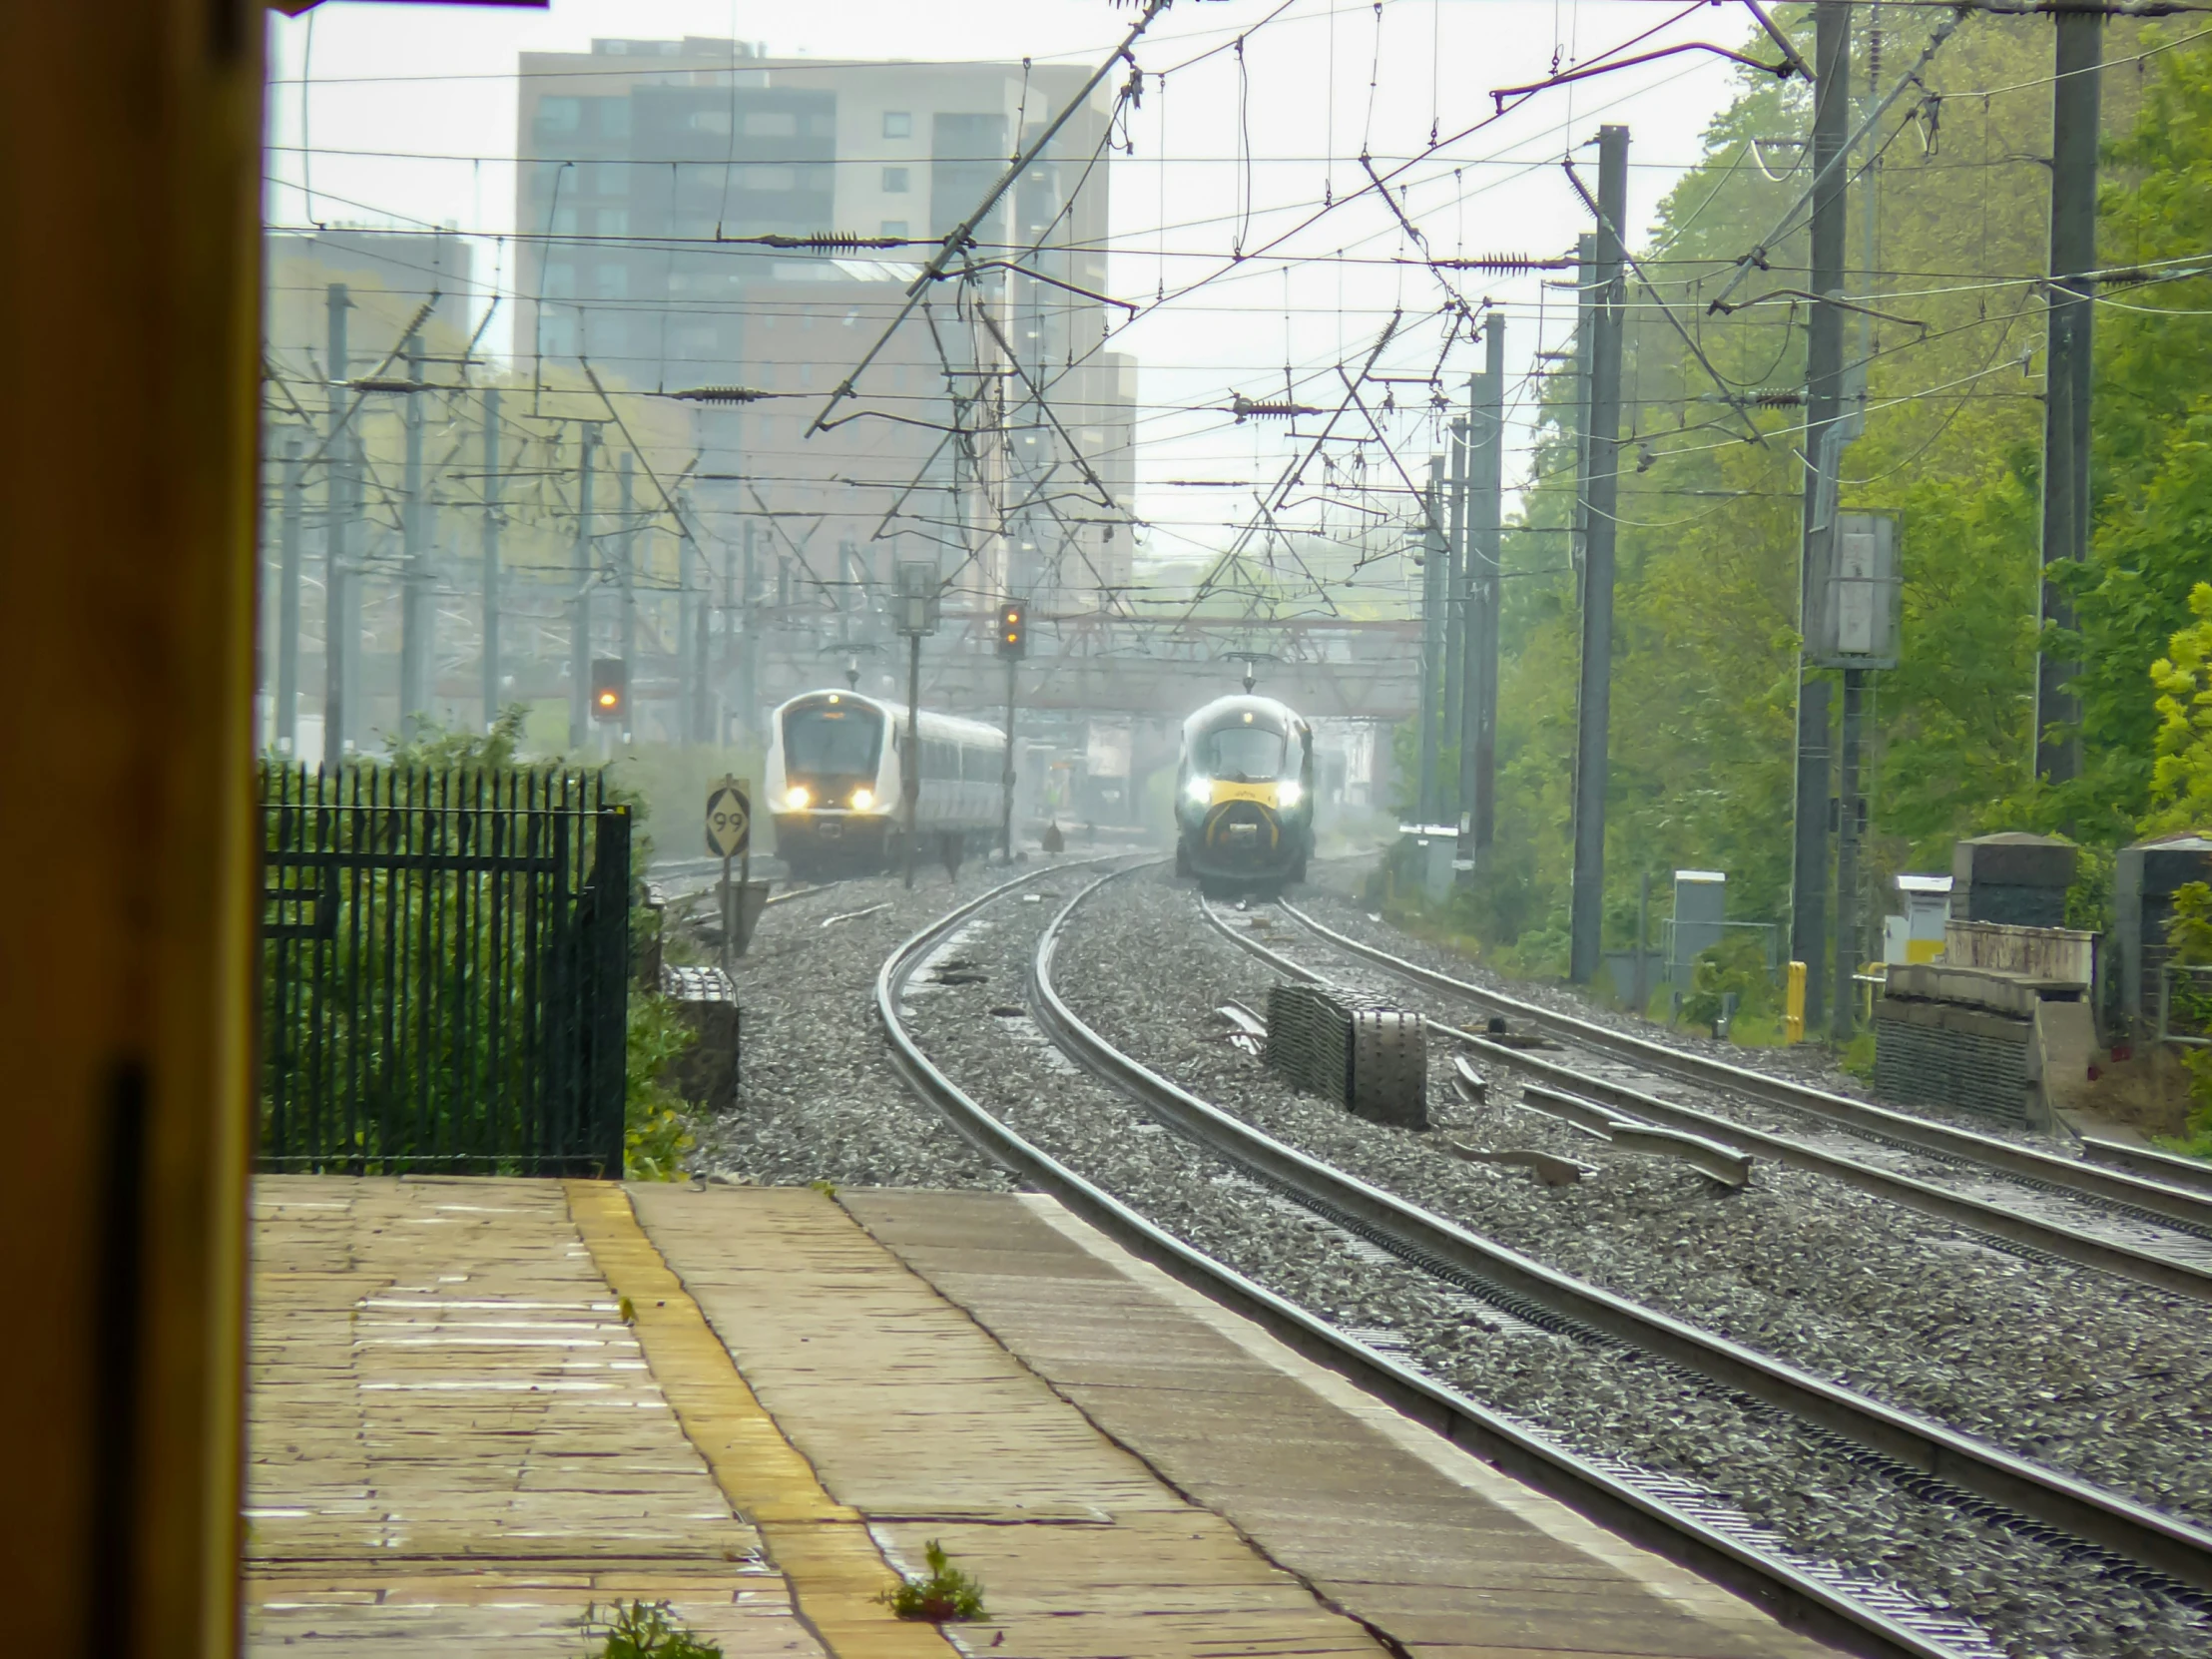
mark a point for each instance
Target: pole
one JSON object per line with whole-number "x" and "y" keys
{"x": 1824, "y": 363}
{"x": 702, "y": 623}
{"x": 1594, "y": 705}
{"x": 744, "y": 643}
{"x": 1436, "y": 570}
{"x": 287, "y": 720}
{"x": 1640, "y": 978}
{"x": 1006, "y": 779}
{"x": 1485, "y": 550}
{"x": 491, "y": 544}
{"x": 728, "y": 916}
{"x": 1457, "y": 617}
{"x": 1585, "y": 333}
{"x": 337, "y": 575}
{"x": 911, "y": 773}
{"x": 1844, "y": 1010}
{"x": 2067, "y": 377}
{"x": 579, "y": 625}
{"x": 414, "y": 558}
{"x": 626, "y": 546}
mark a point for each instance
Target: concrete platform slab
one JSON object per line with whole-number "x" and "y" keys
{"x": 1411, "y": 1534}
{"x": 454, "y": 1444}
{"x": 1111, "y": 1452}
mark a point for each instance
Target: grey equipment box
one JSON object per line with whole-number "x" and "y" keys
{"x": 2015, "y": 878}
{"x": 2145, "y": 877}
{"x": 1354, "y": 1049}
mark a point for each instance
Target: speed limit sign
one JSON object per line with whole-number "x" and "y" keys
{"x": 730, "y": 818}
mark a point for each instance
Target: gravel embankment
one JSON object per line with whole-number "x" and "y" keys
{"x": 1139, "y": 966}
{"x": 2061, "y": 1363}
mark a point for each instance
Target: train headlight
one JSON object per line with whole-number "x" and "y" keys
{"x": 1199, "y": 790}
{"x": 797, "y": 798}
{"x": 863, "y": 800}
{"x": 1288, "y": 792}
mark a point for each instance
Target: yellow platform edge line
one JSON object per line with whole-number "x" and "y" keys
{"x": 822, "y": 1548}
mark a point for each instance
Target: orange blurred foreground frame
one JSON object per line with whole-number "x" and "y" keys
{"x": 129, "y": 190}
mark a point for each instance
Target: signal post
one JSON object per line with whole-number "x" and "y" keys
{"x": 1013, "y": 645}
{"x": 918, "y": 616}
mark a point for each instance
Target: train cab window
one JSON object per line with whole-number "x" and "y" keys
{"x": 1240, "y": 754}
{"x": 979, "y": 765}
{"x": 823, "y": 742}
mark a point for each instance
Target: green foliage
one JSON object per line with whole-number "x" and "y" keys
{"x": 1738, "y": 963}
{"x": 1706, "y": 600}
{"x": 2189, "y": 937}
{"x": 945, "y": 1596}
{"x": 2181, "y": 766}
{"x": 655, "y": 1119}
{"x": 426, "y": 743}
{"x": 644, "y": 1630}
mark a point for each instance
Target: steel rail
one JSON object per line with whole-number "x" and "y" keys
{"x": 1959, "y": 1209}
{"x": 2162, "y": 1199}
{"x": 1794, "y": 1598}
{"x": 2081, "y": 1508}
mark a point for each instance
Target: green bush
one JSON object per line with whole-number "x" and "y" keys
{"x": 1737, "y": 964}
{"x": 655, "y": 1119}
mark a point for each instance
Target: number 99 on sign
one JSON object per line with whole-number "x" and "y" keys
{"x": 729, "y": 820}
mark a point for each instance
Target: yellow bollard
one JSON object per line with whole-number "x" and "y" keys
{"x": 1793, "y": 1017}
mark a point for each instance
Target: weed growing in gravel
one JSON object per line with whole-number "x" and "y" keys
{"x": 644, "y": 1630}
{"x": 946, "y": 1596}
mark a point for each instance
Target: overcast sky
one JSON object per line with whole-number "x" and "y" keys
{"x": 410, "y": 112}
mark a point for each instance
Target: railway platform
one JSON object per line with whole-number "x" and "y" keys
{"x": 480, "y": 1407}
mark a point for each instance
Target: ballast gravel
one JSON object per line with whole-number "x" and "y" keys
{"x": 817, "y": 1099}
{"x": 2063, "y": 1364}
{"x": 819, "y": 1102}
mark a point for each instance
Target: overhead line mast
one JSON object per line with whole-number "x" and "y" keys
{"x": 1593, "y": 711}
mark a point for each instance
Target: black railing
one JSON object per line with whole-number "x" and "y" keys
{"x": 444, "y": 964}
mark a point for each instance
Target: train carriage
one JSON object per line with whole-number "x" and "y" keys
{"x": 1243, "y": 794}
{"x": 835, "y": 774}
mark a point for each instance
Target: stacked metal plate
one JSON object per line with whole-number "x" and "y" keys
{"x": 1351, "y": 1048}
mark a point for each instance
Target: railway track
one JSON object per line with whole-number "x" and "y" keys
{"x": 1932, "y": 1463}
{"x": 2156, "y": 1232}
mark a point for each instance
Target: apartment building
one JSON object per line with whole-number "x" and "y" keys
{"x": 651, "y": 173}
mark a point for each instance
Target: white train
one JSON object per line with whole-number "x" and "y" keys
{"x": 836, "y": 765}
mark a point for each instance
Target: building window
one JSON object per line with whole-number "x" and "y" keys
{"x": 899, "y": 124}
{"x": 896, "y": 181}
{"x": 613, "y": 281}
{"x": 614, "y": 117}
{"x": 614, "y": 221}
{"x": 893, "y": 227}
{"x": 771, "y": 124}
{"x": 770, "y": 177}
{"x": 560, "y": 278}
{"x": 560, "y": 115}
{"x": 708, "y": 121}
{"x": 564, "y": 221}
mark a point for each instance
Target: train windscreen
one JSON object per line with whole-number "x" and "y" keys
{"x": 1240, "y": 754}
{"x": 824, "y": 742}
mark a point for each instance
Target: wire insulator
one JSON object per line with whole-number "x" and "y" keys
{"x": 1505, "y": 265}
{"x": 830, "y": 242}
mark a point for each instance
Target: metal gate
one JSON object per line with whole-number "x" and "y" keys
{"x": 444, "y": 969}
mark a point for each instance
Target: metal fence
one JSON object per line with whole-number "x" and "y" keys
{"x": 2185, "y": 1005}
{"x": 444, "y": 970}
